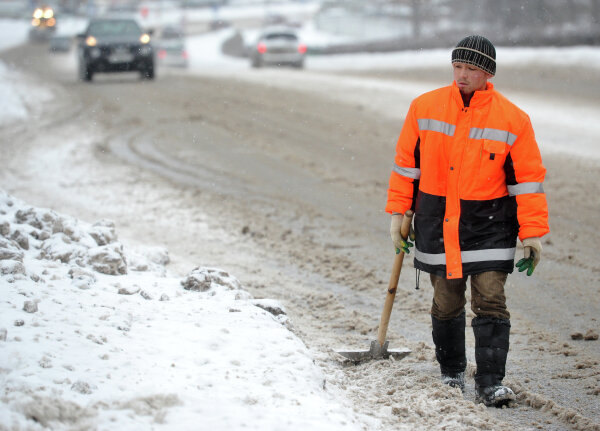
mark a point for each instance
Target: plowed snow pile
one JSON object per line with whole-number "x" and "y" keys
{"x": 96, "y": 336}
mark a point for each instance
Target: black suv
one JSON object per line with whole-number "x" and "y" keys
{"x": 115, "y": 45}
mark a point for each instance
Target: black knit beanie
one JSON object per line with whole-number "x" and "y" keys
{"x": 478, "y": 51}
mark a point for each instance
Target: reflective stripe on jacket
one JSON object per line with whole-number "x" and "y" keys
{"x": 474, "y": 178}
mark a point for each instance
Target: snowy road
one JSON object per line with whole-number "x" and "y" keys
{"x": 280, "y": 178}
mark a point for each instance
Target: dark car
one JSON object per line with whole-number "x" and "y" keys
{"x": 115, "y": 45}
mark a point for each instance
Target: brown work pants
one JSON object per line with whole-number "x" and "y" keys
{"x": 487, "y": 295}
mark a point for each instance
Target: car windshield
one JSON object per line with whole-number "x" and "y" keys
{"x": 284, "y": 36}
{"x": 108, "y": 28}
{"x": 171, "y": 33}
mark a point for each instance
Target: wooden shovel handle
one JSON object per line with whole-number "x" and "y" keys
{"x": 396, "y": 269}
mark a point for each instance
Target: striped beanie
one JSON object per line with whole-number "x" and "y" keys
{"x": 478, "y": 51}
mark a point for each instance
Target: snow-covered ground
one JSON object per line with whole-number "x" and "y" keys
{"x": 116, "y": 339}
{"x": 13, "y": 32}
{"x": 92, "y": 332}
{"x": 15, "y": 94}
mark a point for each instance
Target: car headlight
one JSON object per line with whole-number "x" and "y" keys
{"x": 38, "y": 13}
{"x": 146, "y": 50}
{"x": 35, "y": 22}
{"x": 145, "y": 38}
{"x": 91, "y": 41}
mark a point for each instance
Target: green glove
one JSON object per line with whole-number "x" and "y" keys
{"x": 405, "y": 244}
{"x": 400, "y": 243}
{"x": 532, "y": 252}
{"x": 526, "y": 264}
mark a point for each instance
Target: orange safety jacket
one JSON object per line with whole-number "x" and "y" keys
{"x": 473, "y": 175}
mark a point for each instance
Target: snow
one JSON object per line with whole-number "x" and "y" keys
{"x": 117, "y": 339}
{"x": 113, "y": 338}
{"x": 205, "y": 52}
{"x": 15, "y": 90}
{"x": 13, "y": 106}
{"x": 13, "y": 32}
{"x": 15, "y": 93}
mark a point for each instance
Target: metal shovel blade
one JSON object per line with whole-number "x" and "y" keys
{"x": 376, "y": 351}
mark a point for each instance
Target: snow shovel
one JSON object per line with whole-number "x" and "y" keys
{"x": 379, "y": 347}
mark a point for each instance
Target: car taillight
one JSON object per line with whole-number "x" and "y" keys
{"x": 162, "y": 54}
{"x": 262, "y": 48}
{"x": 184, "y": 54}
{"x": 302, "y": 48}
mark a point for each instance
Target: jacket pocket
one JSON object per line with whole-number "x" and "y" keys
{"x": 491, "y": 166}
{"x": 493, "y": 147}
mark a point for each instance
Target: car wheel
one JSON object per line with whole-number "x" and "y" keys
{"x": 85, "y": 73}
{"x": 148, "y": 73}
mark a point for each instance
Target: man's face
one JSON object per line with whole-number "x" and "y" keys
{"x": 469, "y": 78}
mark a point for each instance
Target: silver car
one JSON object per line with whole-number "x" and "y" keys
{"x": 278, "y": 46}
{"x": 171, "y": 50}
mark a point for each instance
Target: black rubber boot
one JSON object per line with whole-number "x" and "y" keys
{"x": 449, "y": 340}
{"x": 491, "y": 350}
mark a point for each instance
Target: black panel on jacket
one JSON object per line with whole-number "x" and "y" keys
{"x": 417, "y": 155}
{"x": 488, "y": 224}
{"x": 509, "y": 171}
{"x": 483, "y": 225}
{"x": 439, "y": 270}
{"x": 429, "y": 222}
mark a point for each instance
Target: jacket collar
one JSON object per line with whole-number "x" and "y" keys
{"x": 480, "y": 98}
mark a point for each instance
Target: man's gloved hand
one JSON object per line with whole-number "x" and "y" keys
{"x": 400, "y": 243}
{"x": 532, "y": 252}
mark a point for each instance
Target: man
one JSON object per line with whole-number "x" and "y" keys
{"x": 468, "y": 164}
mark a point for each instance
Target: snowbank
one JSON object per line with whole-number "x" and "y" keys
{"x": 15, "y": 93}
{"x": 94, "y": 335}
{"x": 13, "y": 33}
{"x": 15, "y": 90}
{"x": 13, "y": 105}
